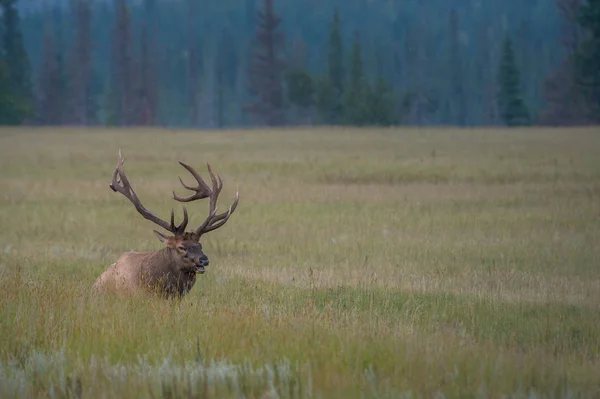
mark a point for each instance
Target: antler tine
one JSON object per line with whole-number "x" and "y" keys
{"x": 214, "y": 193}
{"x": 214, "y": 221}
{"x": 115, "y": 183}
{"x": 216, "y": 190}
{"x": 217, "y": 183}
{"x": 202, "y": 190}
{"x": 121, "y": 184}
{"x": 179, "y": 229}
{"x": 223, "y": 217}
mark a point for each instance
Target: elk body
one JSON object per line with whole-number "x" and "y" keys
{"x": 170, "y": 271}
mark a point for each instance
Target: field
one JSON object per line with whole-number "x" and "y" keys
{"x": 413, "y": 263}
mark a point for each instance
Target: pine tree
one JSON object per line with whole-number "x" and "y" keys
{"x": 227, "y": 61}
{"x": 209, "y": 99}
{"x": 300, "y": 87}
{"x": 457, "y": 93}
{"x": 588, "y": 57}
{"x": 8, "y": 107}
{"x": 325, "y": 100}
{"x": 381, "y": 104}
{"x": 336, "y": 69}
{"x": 510, "y": 102}
{"x": 147, "y": 92}
{"x": 355, "y": 96}
{"x": 566, "y": 104}
{"x": 300, "y": 90}
{"x": 193, "y": 65}
{"x": 17, "y": 66}
{"x": 267, "y": 68}
{"x": 81, "y": 99}
{"x": 381, "y": 99}
{"x": 149, "y": 62}
{"x": 122, "y": 64}
{"x": 51, "y": 96}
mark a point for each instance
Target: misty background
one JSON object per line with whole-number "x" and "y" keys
{"x": 240, "y": 63}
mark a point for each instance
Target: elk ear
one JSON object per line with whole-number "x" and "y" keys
{"x": 161, "y": 236}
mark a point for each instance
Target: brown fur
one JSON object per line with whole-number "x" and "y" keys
{"x": 170, "y": 271}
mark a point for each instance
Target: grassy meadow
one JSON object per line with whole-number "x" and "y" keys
{"x": 375, "y": 263}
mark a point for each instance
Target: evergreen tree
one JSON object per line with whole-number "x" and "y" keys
{"x": 227, "y": 61}
{"x": 80, "y": 93}
{"x": 17, "y": 66}
{"x": 51, "y": 95}
{"x": 565, "y": 101}
{"x": 588, "y": 57}
{"x": 381, "y": 99}
{"x": 510, "y": 102}
{"x": 457, "y": 98}
{"x": 266, "y": 69}
{"x": 300, "y": 87}
{"x": 355, "y": 96}
{"x": 147, "y": 89}
{"x": 122, "y": 64}
{"x": 9, "y": 109}
{"x": 336, "y": 69}
{"x": 325, "y": 100}
{"x": 381, "y": 104}
{"x": 193, "y": 65}
{"x": 300, "y": 90}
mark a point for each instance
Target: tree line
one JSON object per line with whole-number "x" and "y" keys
{"x": 119, "y": 64}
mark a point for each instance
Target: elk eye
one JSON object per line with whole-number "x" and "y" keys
{"x": 182, "y": 249}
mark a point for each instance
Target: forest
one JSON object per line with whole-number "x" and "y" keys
{"x": 244, "y": 63}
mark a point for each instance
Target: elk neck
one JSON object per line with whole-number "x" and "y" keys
{"x": 164, "y": 258}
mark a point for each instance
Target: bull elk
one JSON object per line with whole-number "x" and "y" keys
{"x": 172, "y": 270}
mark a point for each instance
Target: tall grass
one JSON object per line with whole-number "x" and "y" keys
{"x": 359, "y": 263}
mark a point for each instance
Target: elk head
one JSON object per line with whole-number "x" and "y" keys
{"x": 183, "y": 244}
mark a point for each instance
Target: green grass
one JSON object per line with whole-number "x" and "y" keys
{"x": 359, "y": 263}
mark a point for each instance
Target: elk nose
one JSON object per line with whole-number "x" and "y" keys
{"x": 204, "y": 261}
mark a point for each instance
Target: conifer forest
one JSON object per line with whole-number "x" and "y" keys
{"x": 242, "y": 63}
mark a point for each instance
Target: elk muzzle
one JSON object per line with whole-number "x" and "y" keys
{"x": 201, "y": 264}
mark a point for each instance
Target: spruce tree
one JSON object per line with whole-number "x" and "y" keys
{"x": 81, "y": 76}
{"x": 381, "y": 99}
{"x": 324, "y": 99}
{"x": 8, "y": 108}
{"x": 355, "y": 96}
{"x": 122, "y": 66}
{"x": 381, "y": 106}
{"x": 147, "y": 89}
{"x": 587, "y": 59}
{"x": 194, "y": 63}
{"x": 457, "y": 91}
{"x": 51, "y": 83}
{"x": 336, "y": 68}
{"x": 565, "y": 102}
{"x": 300, "y": 92}
{"x": 266, "y": 70}
{"x": 299, "y": 87}
{"x": 17, "y": 66}
{"x": 510, "y": 102}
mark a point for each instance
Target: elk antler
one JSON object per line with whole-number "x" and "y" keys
{"x": 122, "y": 186}
{"x": 202, "y": 190}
